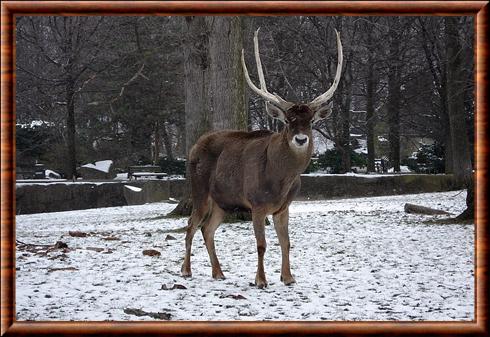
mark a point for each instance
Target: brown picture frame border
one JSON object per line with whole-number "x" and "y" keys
{"x": 9, "y": 9}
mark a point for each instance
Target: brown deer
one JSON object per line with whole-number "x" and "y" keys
{"x": 256, "y": 171}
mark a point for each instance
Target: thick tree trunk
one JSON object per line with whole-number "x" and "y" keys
{"x": 196, "y": 79}
{"x": 469, "y": 212}
{"x": 227, "y": 85}
{"x": 462, "y": 167}
{"x": 448, "y": 146}
{"x": 214, "y": 82}
{"x": 461, "y": 154}
{"x": 226, "y": 82}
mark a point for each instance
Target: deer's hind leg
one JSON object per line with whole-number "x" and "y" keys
{"x": 199, "y": 215}
{"x": 208, "y": 230}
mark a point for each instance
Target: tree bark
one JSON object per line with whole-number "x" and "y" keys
{"x": 156, "y": 146}
{"x": 70, "y": 128}
{"x": 343, "y": 144}
{"x": 370, "y": 99}
{"x": 167, "y": 142}
{"x": 437, "y": 65}
{"x": 214, "y": 83}
{"x": 462, "y": 167}
{"x": 394, "y": 101}
{"x": 461, "y": 155}
{"x": 196, "y": 79}
{"x": 226, "y": 82}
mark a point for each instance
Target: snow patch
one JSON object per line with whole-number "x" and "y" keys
{"x": 133, "y": 188}
{"x": 403, "y": 169}
{"x": 50, "y": 174}
{"x": 103, "y": 165}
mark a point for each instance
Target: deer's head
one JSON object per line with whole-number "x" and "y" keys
{"x": 297, "y": 117}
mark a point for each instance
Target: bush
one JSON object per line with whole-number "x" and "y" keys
{"x": 172, "y": 166}
{"x": 428, "y": 159}
{"x": 331, "y": 161}
{"x": 313, "y": 166}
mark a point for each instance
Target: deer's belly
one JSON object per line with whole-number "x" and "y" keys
{"x": 229, "y": 198}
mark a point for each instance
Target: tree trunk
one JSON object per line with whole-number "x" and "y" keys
{"x": 70, "y": 128}
{"x": 448, "y": 146}
{"x": 156, "y": 147}
{"x": 462, "y": 167}
{"x": 226, "y": 82}
{"x": 437, "y": 66}
{"x": 370, "y": 99}
{"x": 196, "y": 79}
{"x": 394, "y": 102}
{"x": 346, "y": 162}
{"x": 215, "y": 96}
{"x": 343, "y": 134}
{"x": 167, "y": 142}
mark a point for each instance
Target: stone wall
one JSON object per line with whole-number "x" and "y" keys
{"x": 345, "y": 186}
{"x": 55, "y": 197}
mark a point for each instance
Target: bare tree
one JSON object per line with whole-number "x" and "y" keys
{"x": 66, "y": 48}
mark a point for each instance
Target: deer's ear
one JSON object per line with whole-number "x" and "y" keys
{"x": 275, "y": 112}
{"x": 323, "y": 112}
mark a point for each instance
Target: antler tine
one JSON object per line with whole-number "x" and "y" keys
{"x": 263, "y": 92}
{"x": 260, "y": 71}
{"x": 329, "y": 93}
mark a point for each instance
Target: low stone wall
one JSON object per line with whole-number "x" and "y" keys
{"x": 345, "y": 186}
{"x": 56, "y": 197}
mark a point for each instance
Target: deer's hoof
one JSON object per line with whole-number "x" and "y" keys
{"x": 219, "y": 276}
{"x": 288, "y": 280}
{"x": 186, "y": 272}
{"x": 260, "y": 283}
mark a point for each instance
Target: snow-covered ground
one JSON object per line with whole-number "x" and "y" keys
{"x": 353, "y": 259}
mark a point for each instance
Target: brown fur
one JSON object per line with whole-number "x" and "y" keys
{"x": 256, "y": 171}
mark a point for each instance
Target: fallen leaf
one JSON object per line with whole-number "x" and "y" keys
{"x": 175, "y": 286}
{"x": 111, "y": 238}
{"x": 151, "y": 252}
{"x": 60, "y": 244}
{"x": 95, "y": 249}
{"x": 50, "y": 270}
{"x": 234, "y": 296}
{"x": 77, "y": 234}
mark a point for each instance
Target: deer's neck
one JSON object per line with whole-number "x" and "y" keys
{"x": 285, "y": 162}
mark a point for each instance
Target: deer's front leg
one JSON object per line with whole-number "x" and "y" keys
{"x": 258, "y": 219}
{"x": 281, "y": 222}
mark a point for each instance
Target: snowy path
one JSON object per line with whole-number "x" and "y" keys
{"x": 353, "y": 259}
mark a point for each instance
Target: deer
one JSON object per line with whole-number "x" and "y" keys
{"x": 257, "y": 171}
